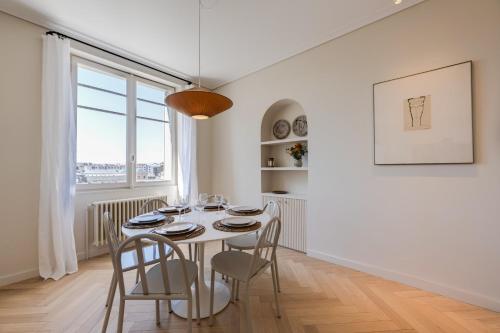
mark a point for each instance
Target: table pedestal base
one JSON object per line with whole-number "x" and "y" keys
{"x": 221, "y": 300}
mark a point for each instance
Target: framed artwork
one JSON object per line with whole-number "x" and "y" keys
{"x": 424, "y": 118}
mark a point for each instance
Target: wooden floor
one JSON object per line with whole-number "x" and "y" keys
{"x": 316, "y": 297}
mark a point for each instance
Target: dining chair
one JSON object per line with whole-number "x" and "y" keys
{"x": 166, "y": 280}
{"x": 152, "y": 205}
{"x": 245, "y": 267}
{"x": 248, "y": 241}
{"x": 129, "y": 258}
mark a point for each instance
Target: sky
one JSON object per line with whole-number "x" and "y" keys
{"x": 101, "y": 137}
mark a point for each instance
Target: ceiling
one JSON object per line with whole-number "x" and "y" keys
{"x": 238, "y": 36}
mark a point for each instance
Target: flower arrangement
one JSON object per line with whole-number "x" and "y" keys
{"x": 297, "y": 151}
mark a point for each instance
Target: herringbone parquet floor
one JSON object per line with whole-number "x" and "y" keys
{"x": 316, "y": 297}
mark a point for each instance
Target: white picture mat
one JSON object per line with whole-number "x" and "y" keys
{"x": 450, "y": 138}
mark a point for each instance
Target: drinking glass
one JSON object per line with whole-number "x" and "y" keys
{"x": 181, "y": 205}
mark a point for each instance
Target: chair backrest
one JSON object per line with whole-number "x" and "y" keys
{"x": 273, "y": 208}
{"x": 265, "y": 249}
{"x": 152, "y": 204}
{"x": 162, "y": 243}
{"x": 111, "y": 235}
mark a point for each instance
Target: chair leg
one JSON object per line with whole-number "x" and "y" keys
{"x": 169, "y": 304}
{"x": 275, "y": 289}
{"x": 157, "y": 305}
{"x": 121, "y": 312}
{"x": 276, "y": 273}
{"x": 212, "y": 283}
{"x": 195, "y": 253}
{"x": 197, "y": 300}
{"x": 111, "y": 284}
{"x": 190, "y": 315}
{"x": 190, "y": 252}
{"x": 111, "y": 296}
{"x": 248, "y": 317}
{"x": 233, "y": 289}
{"x": 137, "y": 276}
{"x": 223, "y": 248}
{"x": 237, "y": 293}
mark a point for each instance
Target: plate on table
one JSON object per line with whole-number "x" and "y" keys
{"x": 238, "y": 222}
{"x": 176, "y": 228}
{"x": 169, "y": 209}
{"x": 244, "y": 209}
{"x": 147, "y": 218}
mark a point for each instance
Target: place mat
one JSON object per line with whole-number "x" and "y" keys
{"x": 213, "y": 208}
{"x": 129, "y": 225}
{"x": 232, "y": 212}
{"x": 195, "y": 233}
{"x": 185, "y": 211}
{"x": 221, "y": 227}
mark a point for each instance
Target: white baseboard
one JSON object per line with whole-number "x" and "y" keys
{"x": 19, "y": 276}
{"x": 31, "y": 273}
{"x": 414, "y": 281}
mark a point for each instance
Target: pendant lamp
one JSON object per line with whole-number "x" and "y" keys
{"x": 198, "y": 102}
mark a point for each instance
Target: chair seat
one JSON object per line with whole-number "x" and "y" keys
{"x": 177, "y": 285}
{"x": 235, "y": 264}
{"x": 244, "y": 242}
{"x": 151, "y": 256}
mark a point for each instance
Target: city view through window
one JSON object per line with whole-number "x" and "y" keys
{"x": 102, "y": 129}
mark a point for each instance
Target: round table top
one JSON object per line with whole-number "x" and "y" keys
{"x": 206, "y": 219}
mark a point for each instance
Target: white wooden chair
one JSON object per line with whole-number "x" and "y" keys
{"x": 166, "y": 280}
{"x": 245, "y": 267}
{"x": 129, "y": 258}
{"x": 248, "y": 241}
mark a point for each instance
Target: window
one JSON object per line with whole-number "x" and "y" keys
{"x": 125, "y": 133}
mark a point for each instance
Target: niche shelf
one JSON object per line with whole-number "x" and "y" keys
{"x": 284, "y": 175}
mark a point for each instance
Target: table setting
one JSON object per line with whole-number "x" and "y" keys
{"x": 198, "y": 225}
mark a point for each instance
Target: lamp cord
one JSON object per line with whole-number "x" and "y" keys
{"x": 199, "y": 43}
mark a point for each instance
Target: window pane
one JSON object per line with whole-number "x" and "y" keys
{"x": 151, "y": 93}
{"x": 154, "y": 111}
{"x": 101, "y": 147}
{"x": 101, "y": 100}
{"x": 154, "y": 151}
{"x": 102, "y": 80}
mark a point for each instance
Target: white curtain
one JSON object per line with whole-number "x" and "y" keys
{"x": 56, "y": 242}
{"x": 188, "y": 173}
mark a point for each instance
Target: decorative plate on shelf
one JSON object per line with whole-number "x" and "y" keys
{"x": 281, "y": 129}
{"x": 300, "y": 126}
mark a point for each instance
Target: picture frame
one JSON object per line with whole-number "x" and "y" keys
{"x": 424, "y": 118}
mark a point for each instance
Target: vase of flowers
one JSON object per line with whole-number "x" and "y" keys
{"x": 297, "y": 152}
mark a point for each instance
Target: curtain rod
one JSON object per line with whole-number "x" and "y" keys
{"x": 51, "y": 32}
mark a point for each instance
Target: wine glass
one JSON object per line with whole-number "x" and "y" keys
{"x": 200, "y": 204}
{"x": 181, "y": 205}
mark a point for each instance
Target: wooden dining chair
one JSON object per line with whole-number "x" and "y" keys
{"x": 166, "y": 280}
{"x": 129, "y": 258}
{"x": 245, "y": 267}
{"x": 152, "y": 205}
{"x": 248, "y": 241}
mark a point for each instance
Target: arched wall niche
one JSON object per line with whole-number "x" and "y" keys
{"x": 287, "y": 109}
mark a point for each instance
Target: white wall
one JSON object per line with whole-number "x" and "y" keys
{"x": 435, "y": 227}
{"x": 20, "y": 93}
{"x": 20, "y": 132}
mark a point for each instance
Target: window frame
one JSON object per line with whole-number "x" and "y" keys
{"x": 131, "y": 124}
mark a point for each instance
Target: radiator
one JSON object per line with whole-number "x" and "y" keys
{"x": 121, "y": 211}
{"x": 293, "y": 221}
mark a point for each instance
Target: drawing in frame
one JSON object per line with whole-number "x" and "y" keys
{"x": 425, "y": 118}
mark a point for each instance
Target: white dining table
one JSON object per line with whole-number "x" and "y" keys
{"x": 221, "y": 290}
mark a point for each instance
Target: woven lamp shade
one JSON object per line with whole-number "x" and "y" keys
{"x": 198, "y": 103}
